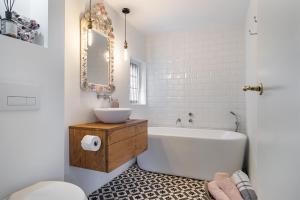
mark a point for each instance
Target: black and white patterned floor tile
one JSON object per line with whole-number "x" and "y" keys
{"x": 137, "y": 184}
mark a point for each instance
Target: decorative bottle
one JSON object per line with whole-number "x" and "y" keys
{"x": 9, "y": 27}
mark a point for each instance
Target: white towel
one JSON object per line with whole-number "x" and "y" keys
{"x": 242, "y": 182}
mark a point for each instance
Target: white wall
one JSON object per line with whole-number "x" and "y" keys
{"x": 198, "y": 71}
{"x": 21, "y": 6}
{"x": 39, "y": 12}
{"x": 32, "y": 142}
{"x": 79, "y": 104}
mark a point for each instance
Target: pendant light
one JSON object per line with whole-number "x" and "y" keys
{"x": 125, "y": 11}
{"x": 90, "y": 27}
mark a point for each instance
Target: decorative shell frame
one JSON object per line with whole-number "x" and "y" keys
{"x": 102, "y": 24}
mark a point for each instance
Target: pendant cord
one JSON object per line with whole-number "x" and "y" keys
{"x": 90, "y": 10}
{"x": 125, "y": 11}
{"x": 125, "y": 29}
{"x": 90, "y": 21}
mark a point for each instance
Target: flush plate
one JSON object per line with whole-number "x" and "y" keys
{"x": 19, "y": 96}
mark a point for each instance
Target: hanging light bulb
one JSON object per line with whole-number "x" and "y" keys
{"x": 125, "y": 11}
{"x": 90, "y": 27}
{"x": 90, "y": 37}
{"x": 125, "y": 51}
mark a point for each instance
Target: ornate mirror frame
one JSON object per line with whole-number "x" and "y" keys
{"x": 102, "y": 24}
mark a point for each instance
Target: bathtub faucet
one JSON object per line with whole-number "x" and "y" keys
{"x": 237, "y": 121}
{"x": 178, "y": 121}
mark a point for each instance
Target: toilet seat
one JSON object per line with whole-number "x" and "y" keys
{"x": 50, "y": 190}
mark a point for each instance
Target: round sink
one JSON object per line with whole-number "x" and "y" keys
{"x": 112, "y": 115}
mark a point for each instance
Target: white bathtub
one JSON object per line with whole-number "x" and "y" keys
{"x": 193, "y": 153}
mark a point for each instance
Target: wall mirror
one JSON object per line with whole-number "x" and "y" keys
{"x": 97, "y": 47}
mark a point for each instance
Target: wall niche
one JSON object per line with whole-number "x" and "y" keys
{"x": 28, "y": 22}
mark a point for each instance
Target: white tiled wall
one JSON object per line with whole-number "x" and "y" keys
{"x": 200, "y": 72}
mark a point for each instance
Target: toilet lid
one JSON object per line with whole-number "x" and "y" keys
{"x": 50, "y": 191}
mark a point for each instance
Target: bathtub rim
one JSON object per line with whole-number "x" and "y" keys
{"x": 237, "y": 135}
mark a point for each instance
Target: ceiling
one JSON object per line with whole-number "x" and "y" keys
{"x": 151, "y": 16}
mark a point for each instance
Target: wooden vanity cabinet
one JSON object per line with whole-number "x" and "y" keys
{"x": 119, "y": 144}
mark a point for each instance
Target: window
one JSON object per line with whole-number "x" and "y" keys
{"x": 137, "y": 83}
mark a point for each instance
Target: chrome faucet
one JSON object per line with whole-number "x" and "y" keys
{"x": 105, "y": 92}
{"x": 104, "y": 96}
{"x": 237, "y": 121}
{"x": 178, "y": 121}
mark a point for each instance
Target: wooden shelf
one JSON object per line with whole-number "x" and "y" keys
{"x": 120, "y": 143}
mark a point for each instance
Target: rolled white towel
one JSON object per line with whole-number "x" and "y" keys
{"x": 242, "y": 182}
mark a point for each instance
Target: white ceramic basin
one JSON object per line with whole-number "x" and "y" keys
{"x": 112, "y": 115}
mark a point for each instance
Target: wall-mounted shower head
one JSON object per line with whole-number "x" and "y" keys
{"x": 237, "y": 122}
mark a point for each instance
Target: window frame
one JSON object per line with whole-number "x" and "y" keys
{"x": 141, "y": 83}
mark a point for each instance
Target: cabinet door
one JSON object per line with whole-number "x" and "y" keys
{"x": 125, "y": 144}
{"x": 120, "y": 152}
{"x": 121, "y": 134}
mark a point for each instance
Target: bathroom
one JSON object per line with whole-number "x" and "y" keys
{"x": 189, "y": 61}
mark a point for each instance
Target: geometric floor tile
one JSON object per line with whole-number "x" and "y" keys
{"x": 138, "y": 184}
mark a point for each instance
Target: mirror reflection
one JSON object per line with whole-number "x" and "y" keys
{"x": 97, "y": 51}
{"x": 97, "y": 59}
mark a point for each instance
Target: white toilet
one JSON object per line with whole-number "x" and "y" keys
{"x": 50, "y": 190}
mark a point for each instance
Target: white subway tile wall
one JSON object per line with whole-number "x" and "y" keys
{"x": 200, "y": 72}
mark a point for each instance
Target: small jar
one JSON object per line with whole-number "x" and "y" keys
{"x": 8, "y": 26}
{"x": 115, "y": 103}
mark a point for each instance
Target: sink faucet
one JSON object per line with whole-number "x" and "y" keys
{"x": 104, "y": 96}
{"x": 105, "y": 92}
{"x": 237, "y": 121}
